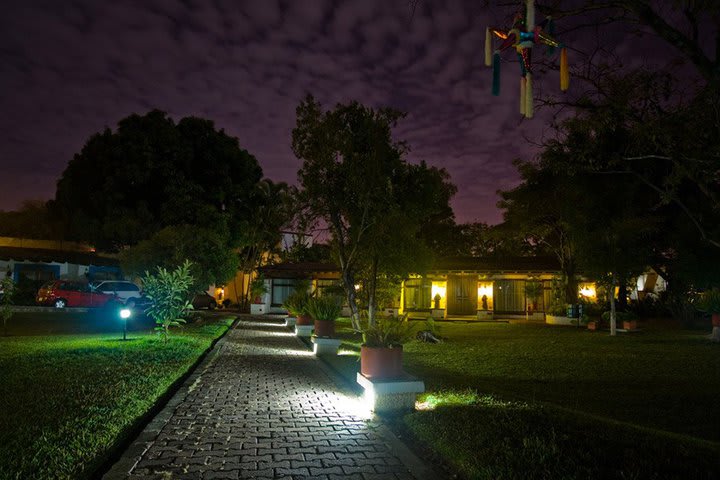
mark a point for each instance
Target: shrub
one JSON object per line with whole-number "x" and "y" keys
{"x": 323, "y": 308}
{"x": 388, "y": 332}
{"x": 7, "y": 287}
{"x": 168, "y": 292}
{"x": 709, "y": 301}
{"x": 296, "y": 303}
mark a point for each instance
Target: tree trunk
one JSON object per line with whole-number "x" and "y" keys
{"x": 715, "y": 336}
{"x": 613, "y": 320}
{"x": 372, "y": 287}
{"x": 571, "y": 283}
{"x": 349, "y": 281}
{"x": 622, "y": 302}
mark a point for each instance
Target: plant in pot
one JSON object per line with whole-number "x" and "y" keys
{"x": 709, "y": 302}
{"x": 258, "y": 288}
{"x": 296, "y": 305}
{"x": 628, "y": 319}
{"x": 382, "y": 347}
{"x": 324, "y": 311}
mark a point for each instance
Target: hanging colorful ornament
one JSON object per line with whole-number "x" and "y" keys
{"x": 523, "y": 35}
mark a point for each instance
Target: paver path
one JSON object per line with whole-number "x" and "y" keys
{"x": 263, "y": 408}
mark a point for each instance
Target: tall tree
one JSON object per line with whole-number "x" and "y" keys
{"x": 150, "y": 173}
{"x": 355, "y": 179}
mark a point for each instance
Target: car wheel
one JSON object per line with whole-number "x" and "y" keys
{"x": 212, "y": 305}
{"x": 60, "y": 303}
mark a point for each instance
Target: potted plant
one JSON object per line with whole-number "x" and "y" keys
{"x": 709, "y": 302}
{"x": 258, "y": 288}
{"x": 628, "y": 319}
{"x": 382, "y": 348}
{"x": 296, "y": 305}
{"x": 324, "y": 311}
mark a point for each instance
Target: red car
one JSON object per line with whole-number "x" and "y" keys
{"x": 69, "y": 293}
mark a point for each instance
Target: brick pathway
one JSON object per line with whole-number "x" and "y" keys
{"x": 262, "y": 407}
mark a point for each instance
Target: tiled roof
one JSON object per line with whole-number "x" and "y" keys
{"x": 20, "y": 254}
{"x": 297, "y": 270}
{"x": 498, "y": 264}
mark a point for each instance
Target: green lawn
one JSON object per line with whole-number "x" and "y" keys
{"x": 530, "y": 401}
{"x": 68, "y": 400}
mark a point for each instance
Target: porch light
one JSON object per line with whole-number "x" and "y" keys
{"x": 588, "y": 291}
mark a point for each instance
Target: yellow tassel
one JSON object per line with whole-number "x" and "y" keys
{"x": 528, "y": 96}
{"x": 564, "y": 70}
{"x": 522, "y": 95}
{"x": 488, "y": 48}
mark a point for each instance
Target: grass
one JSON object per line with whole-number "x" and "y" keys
{"x": 69, "y": 400}
{"x": 529, "y": 401}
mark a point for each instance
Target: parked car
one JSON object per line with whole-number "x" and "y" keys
{"x": 70, "y": 293}
{"x": 127, "y": 292}
{"x": 203, "y": 300}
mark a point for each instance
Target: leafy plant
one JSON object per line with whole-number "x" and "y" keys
{"x": 323, "y": 308}
{"x": 7, "y": 287}
{"x": 296, "y": 303}
{"x": 258, "y": 288}
{"x": 168, "y": 292}
{"x": 709, "y": 301}
{"x": 388, "y": 332}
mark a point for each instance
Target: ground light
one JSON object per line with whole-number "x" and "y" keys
{"x": 124, "y": 315}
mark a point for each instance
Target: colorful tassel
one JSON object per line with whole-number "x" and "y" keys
{"x": 528, "y": 96}
{"x": 496, "y": 74}
{"x": 564, "y": 70}
{"x": 522, "y": 96}
{"x": 488, "y": 47}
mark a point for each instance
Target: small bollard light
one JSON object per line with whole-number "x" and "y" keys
{"x": 124, "y": 315}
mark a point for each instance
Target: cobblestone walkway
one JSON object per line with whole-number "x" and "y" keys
{"x": 263, "y": 408}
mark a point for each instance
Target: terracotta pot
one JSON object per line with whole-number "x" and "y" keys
{"x": 381, "y": 362}
{"x": 592, "y": 325}
{"x": 630, "y": 324}
{"x": 716, "y": 319}
{"x": 304, "y": 320}
{"x": 325, "y": 328}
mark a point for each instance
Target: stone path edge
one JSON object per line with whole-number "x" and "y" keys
{"x": 148, "y": 427}
{"x": 419, "y": 469}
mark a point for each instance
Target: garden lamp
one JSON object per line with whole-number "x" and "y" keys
{"x": 124, "y": 315}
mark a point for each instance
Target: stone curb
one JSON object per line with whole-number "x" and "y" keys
{"x": 134, "y": 452}
{"x": 419, "y": 469}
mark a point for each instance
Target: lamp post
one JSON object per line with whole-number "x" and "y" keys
{"x": 124, "y": 315}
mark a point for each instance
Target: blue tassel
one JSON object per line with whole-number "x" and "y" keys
{"x": 496, "y": 74}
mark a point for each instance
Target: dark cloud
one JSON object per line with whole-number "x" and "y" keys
{"x": 69, "y": 69}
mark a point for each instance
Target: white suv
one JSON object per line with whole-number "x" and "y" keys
{"x": 127, "y": 292}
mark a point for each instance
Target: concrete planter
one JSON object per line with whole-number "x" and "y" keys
{"x": 303, "y": 330}
{"x": 258, "y": 309}
{"x": 437, "y": 313}
{"x": 484, "y": 314}
{"x": 391, "y": 396}
{"x": 325, "y": 346}
{"x": 290, "y": 322}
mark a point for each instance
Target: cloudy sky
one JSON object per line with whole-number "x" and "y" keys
{"x": 68, "y": 69}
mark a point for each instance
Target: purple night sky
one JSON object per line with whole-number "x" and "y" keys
{"x": 69, "y": 69}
